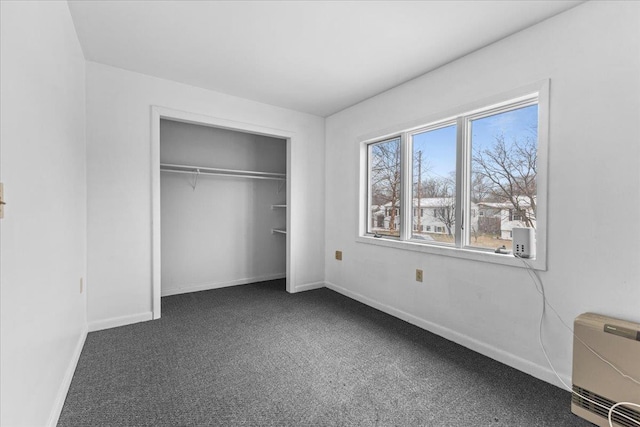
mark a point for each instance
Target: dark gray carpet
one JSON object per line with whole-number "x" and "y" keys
{"x": 256, "y": 355}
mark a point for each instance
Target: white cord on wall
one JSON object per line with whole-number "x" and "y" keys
{"x": 540, "y": 288}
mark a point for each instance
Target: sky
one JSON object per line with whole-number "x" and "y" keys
{"x": 438, "y": 151}
{"x": 512, "y": 124}
{"x": 439, "y": 146}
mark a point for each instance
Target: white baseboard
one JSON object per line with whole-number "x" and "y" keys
{"x": 183, "y": 289}
{"x": 66, "y": 380}
{"x": 308, "y": 287}
{"x": 541, "y": 372}
{"x": 114, "y": 322}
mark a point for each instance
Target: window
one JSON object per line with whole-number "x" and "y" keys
{"x": 504, "y": 146}
{"x": 434, "y": 176}
{"x": 384, "y": 187}
{"x": 465, "y": 181}
{"x": 516, "y": 215}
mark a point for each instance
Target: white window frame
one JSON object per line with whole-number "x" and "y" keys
{"x": 368, "y": 196}
{"x": 407, "y": 165}
{"x": 462, "y": 116}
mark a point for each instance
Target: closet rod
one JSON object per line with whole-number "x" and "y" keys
{"x": 221, "y": 172}
{"x": 225, "y": 174}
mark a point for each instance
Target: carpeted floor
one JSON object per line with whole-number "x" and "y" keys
{"x": 256, "y": 355}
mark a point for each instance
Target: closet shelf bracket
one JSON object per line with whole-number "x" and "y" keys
{"x": 195, "y": 179}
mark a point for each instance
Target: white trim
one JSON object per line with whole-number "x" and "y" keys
{"x": 156, "y": 264}
{"x": 184, "y": 289}
{"x": 115, "y": 322}
{"x": 461, "y": 181}
{"x": 363, "y": 189}
{"x": 406, "y": 186}
{"x": 158, "y": 113}
{"x": 66, "y": 380}
{"x": 308, "y": 286}
{"x": 291, "y": 207}
{"x": 217, "y": 122}
{"x": 542, "y": 201}
{"x": 451, "y": 251}
{"x": 541, "y": 372}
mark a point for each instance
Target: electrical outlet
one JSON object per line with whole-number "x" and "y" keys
{"x": 81, "y": 284}
{"x": 339, "y": 255}
{"x": 418, "y": 275}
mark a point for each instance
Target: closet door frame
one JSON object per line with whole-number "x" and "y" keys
{"x": 158, "y": 113}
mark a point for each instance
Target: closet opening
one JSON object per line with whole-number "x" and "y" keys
{"x": 221, "y": 205}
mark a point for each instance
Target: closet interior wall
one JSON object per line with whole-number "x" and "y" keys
{"x": 216, "y": 231}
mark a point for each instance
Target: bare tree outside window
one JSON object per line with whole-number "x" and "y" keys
{"x": 384, "y": 184}
{"x": 446, "y": 213}
{"x": 504, "y": 173}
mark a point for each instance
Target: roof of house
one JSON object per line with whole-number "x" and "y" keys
{"x": 440, "y": 202}
{"x": 434, "y": 202}
{"x": 523, "y": 202}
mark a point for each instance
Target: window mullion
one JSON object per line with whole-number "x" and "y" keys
{"x": 461, "y": 177}
{"x": 406, "y": 201}
{"x": 368, "y": 201}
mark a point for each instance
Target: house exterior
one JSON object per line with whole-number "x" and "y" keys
{"x": 435, "y": 215}
{"x": 430, "y": 215}
{"x": 501, "y": 217}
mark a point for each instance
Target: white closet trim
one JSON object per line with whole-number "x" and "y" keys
{"x": 158, "y": 113}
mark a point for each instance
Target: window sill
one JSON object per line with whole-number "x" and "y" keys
{"x": 463, "y": 253}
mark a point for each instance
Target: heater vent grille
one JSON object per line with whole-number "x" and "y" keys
{"x": 622, "y": 415}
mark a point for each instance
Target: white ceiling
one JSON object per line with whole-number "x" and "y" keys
{"x": 317, "y": 57}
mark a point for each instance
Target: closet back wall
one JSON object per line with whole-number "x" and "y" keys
{"x": 219, "y": 233}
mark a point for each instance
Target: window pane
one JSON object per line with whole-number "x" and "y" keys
{"x": 434, "y": 185}
{"x": 503, "y": 176}
{"x": 384, "y": 188}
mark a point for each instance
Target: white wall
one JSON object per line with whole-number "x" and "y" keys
{"x": 591, "y": 55}
{"x": 119, "y": 184}
{"x": 219, "y": 233}
{"x": 43, "y": 240}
